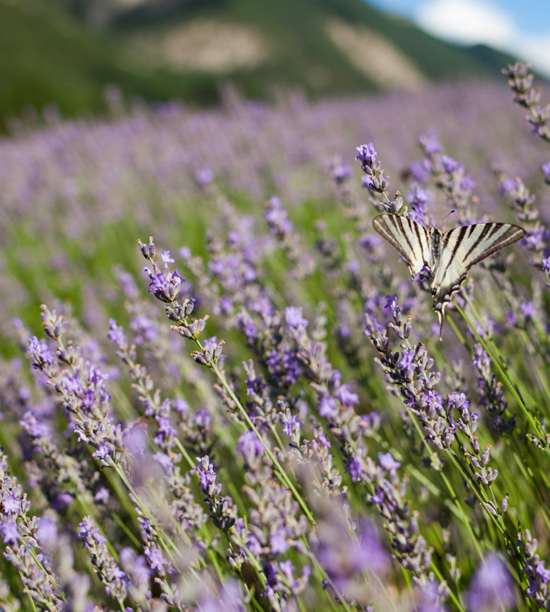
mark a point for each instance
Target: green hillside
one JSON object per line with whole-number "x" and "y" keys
{"x": 297, "y": 34}
{"x": 48, "y": 56}
{"x": 51, "y": 51}
{"x": 295, "y": 30}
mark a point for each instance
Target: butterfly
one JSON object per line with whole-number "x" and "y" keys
{"x": 448, "y": 255}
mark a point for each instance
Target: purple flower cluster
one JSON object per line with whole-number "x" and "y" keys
{"x": 521, "y": 83}
{"x": 274, "y": 526}
{"x": 491, "y": 587}
{"x": 296, "y": 444}
{"x": 106, "y": 568}
{"x": 491, "y": 393}
{"x": 281, "y": 227}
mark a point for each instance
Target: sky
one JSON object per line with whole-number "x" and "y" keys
{"x": 520, "y": 27}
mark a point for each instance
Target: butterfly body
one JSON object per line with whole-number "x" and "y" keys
{"x": 447, "y": 255}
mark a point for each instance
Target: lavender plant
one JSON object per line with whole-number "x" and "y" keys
{"x": 269, "y": 423}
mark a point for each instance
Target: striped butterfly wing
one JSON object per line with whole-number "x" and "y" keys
{"x": 410, "y": 239}
{"x": 463, "y": 247}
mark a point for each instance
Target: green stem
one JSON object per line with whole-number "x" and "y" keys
{"x": 452, "y": 492}
{"x": 283, "y": 475}
{"x": 504, "y": 376}
{"x": 32, "y": 602}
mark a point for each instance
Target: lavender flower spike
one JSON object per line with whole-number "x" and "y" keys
{"x": 491, "y": 589}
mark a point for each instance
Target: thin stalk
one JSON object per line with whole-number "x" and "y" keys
{"x": 503, "y": 374}
{"x": 126, "y": 530}
{"x": 496, "y": 351}
{"x": 32, "y": 602}
{"x": 283, "y": 475}
{"x": 528, "y": 474}
{"x": 453, "y": 494}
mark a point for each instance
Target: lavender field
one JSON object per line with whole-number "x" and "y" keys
{"x": 253, "y": 410}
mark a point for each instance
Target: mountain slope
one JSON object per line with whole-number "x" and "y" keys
{"x": 52, "y": 51}
{"x": 303, "y": 51}
{"x": 47, "y": 56}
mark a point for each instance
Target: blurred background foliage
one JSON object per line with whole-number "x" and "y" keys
{"x": 65, "y": 53}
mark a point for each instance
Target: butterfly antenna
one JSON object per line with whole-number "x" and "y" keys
{"x": 448, "y": 214}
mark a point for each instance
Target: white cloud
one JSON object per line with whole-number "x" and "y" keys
{"x": 536, "y": 50}
{"x": 466, "y": 21}
{"x": 478, "y": 21}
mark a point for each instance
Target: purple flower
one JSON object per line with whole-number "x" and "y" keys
{"x": 328, "y": 408}
{"x": 542, "y": 572}
{"x": 366, "y": 154}
{"x": 102, "y": 495}
{"x": 165, "y": 462}
{"x": 429, "y": 599}
{"x": 180, "y": 405}
{"x": 250, "y": 446}
{"x": 185, "y": 253}
{"x": 127, "y": 284}
{"x": 340, "y": 172}
{"x": 527, "y": 310}
{"x": 207, "y": 476}
{"x": 449, "y": 164}
{"x": 387, "y": 462}
{"x": 354, "y": 467}
{"x": 35, "y": 428}
{"x": 458, "y": 400}
{"x": 89, "y": 531}
{"x": 407, "y": 359}
{"x": 391, "y": 303}
{"x": 491, "y": 587}
{"x": 508, "y": 186}
{"x": 291, "y": 425}
{"x": 136, "y": 566}
{"x": 346, "y": 397}
{"x": 116, "y": 333}
{"x": 11, "y": 504}
{"x": 511, "y": 318}
{"x": 46, "y": 533}
{"x": 368, "y": 182}
{"x": 370, "y": 242}
{"x": 378, "y": 497}
{"x": 101, "y": 452}
{"x": 294, "y": 318}
{"x": 467, "y": 183}
{"x": 430, "y": 144}
{"x": 420, "y": 171}
{"x": 368, "y": 553}
{"x": 165, "y": 287}
{"x": 155, "y": 558}
{"x": 202, "y": 419}
{"x": 9, "y": 532}
{"x": 40, "y": 354}
{"x": 418, "y": 196}
{"x": 277, "y": 218}
{"x": 546, "y": 265}
{"x": 204, "y": 176}
{"x": 166, "y": 258}
{"x": 230, "y": 599}
{"x": 353, "y": 266}
{"x": 278, "y": 542}
{"x": 347, "y": 556}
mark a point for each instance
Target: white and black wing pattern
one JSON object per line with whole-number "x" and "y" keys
{"x": 473, "y": 243}
{"x": 460, "y": 249}
{"x": 409, "y": 238}
{"x": 449, "y": 255}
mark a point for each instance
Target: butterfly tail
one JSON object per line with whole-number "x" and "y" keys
{"x": 441, "y": 317}
{"x": 439, "y": 308}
